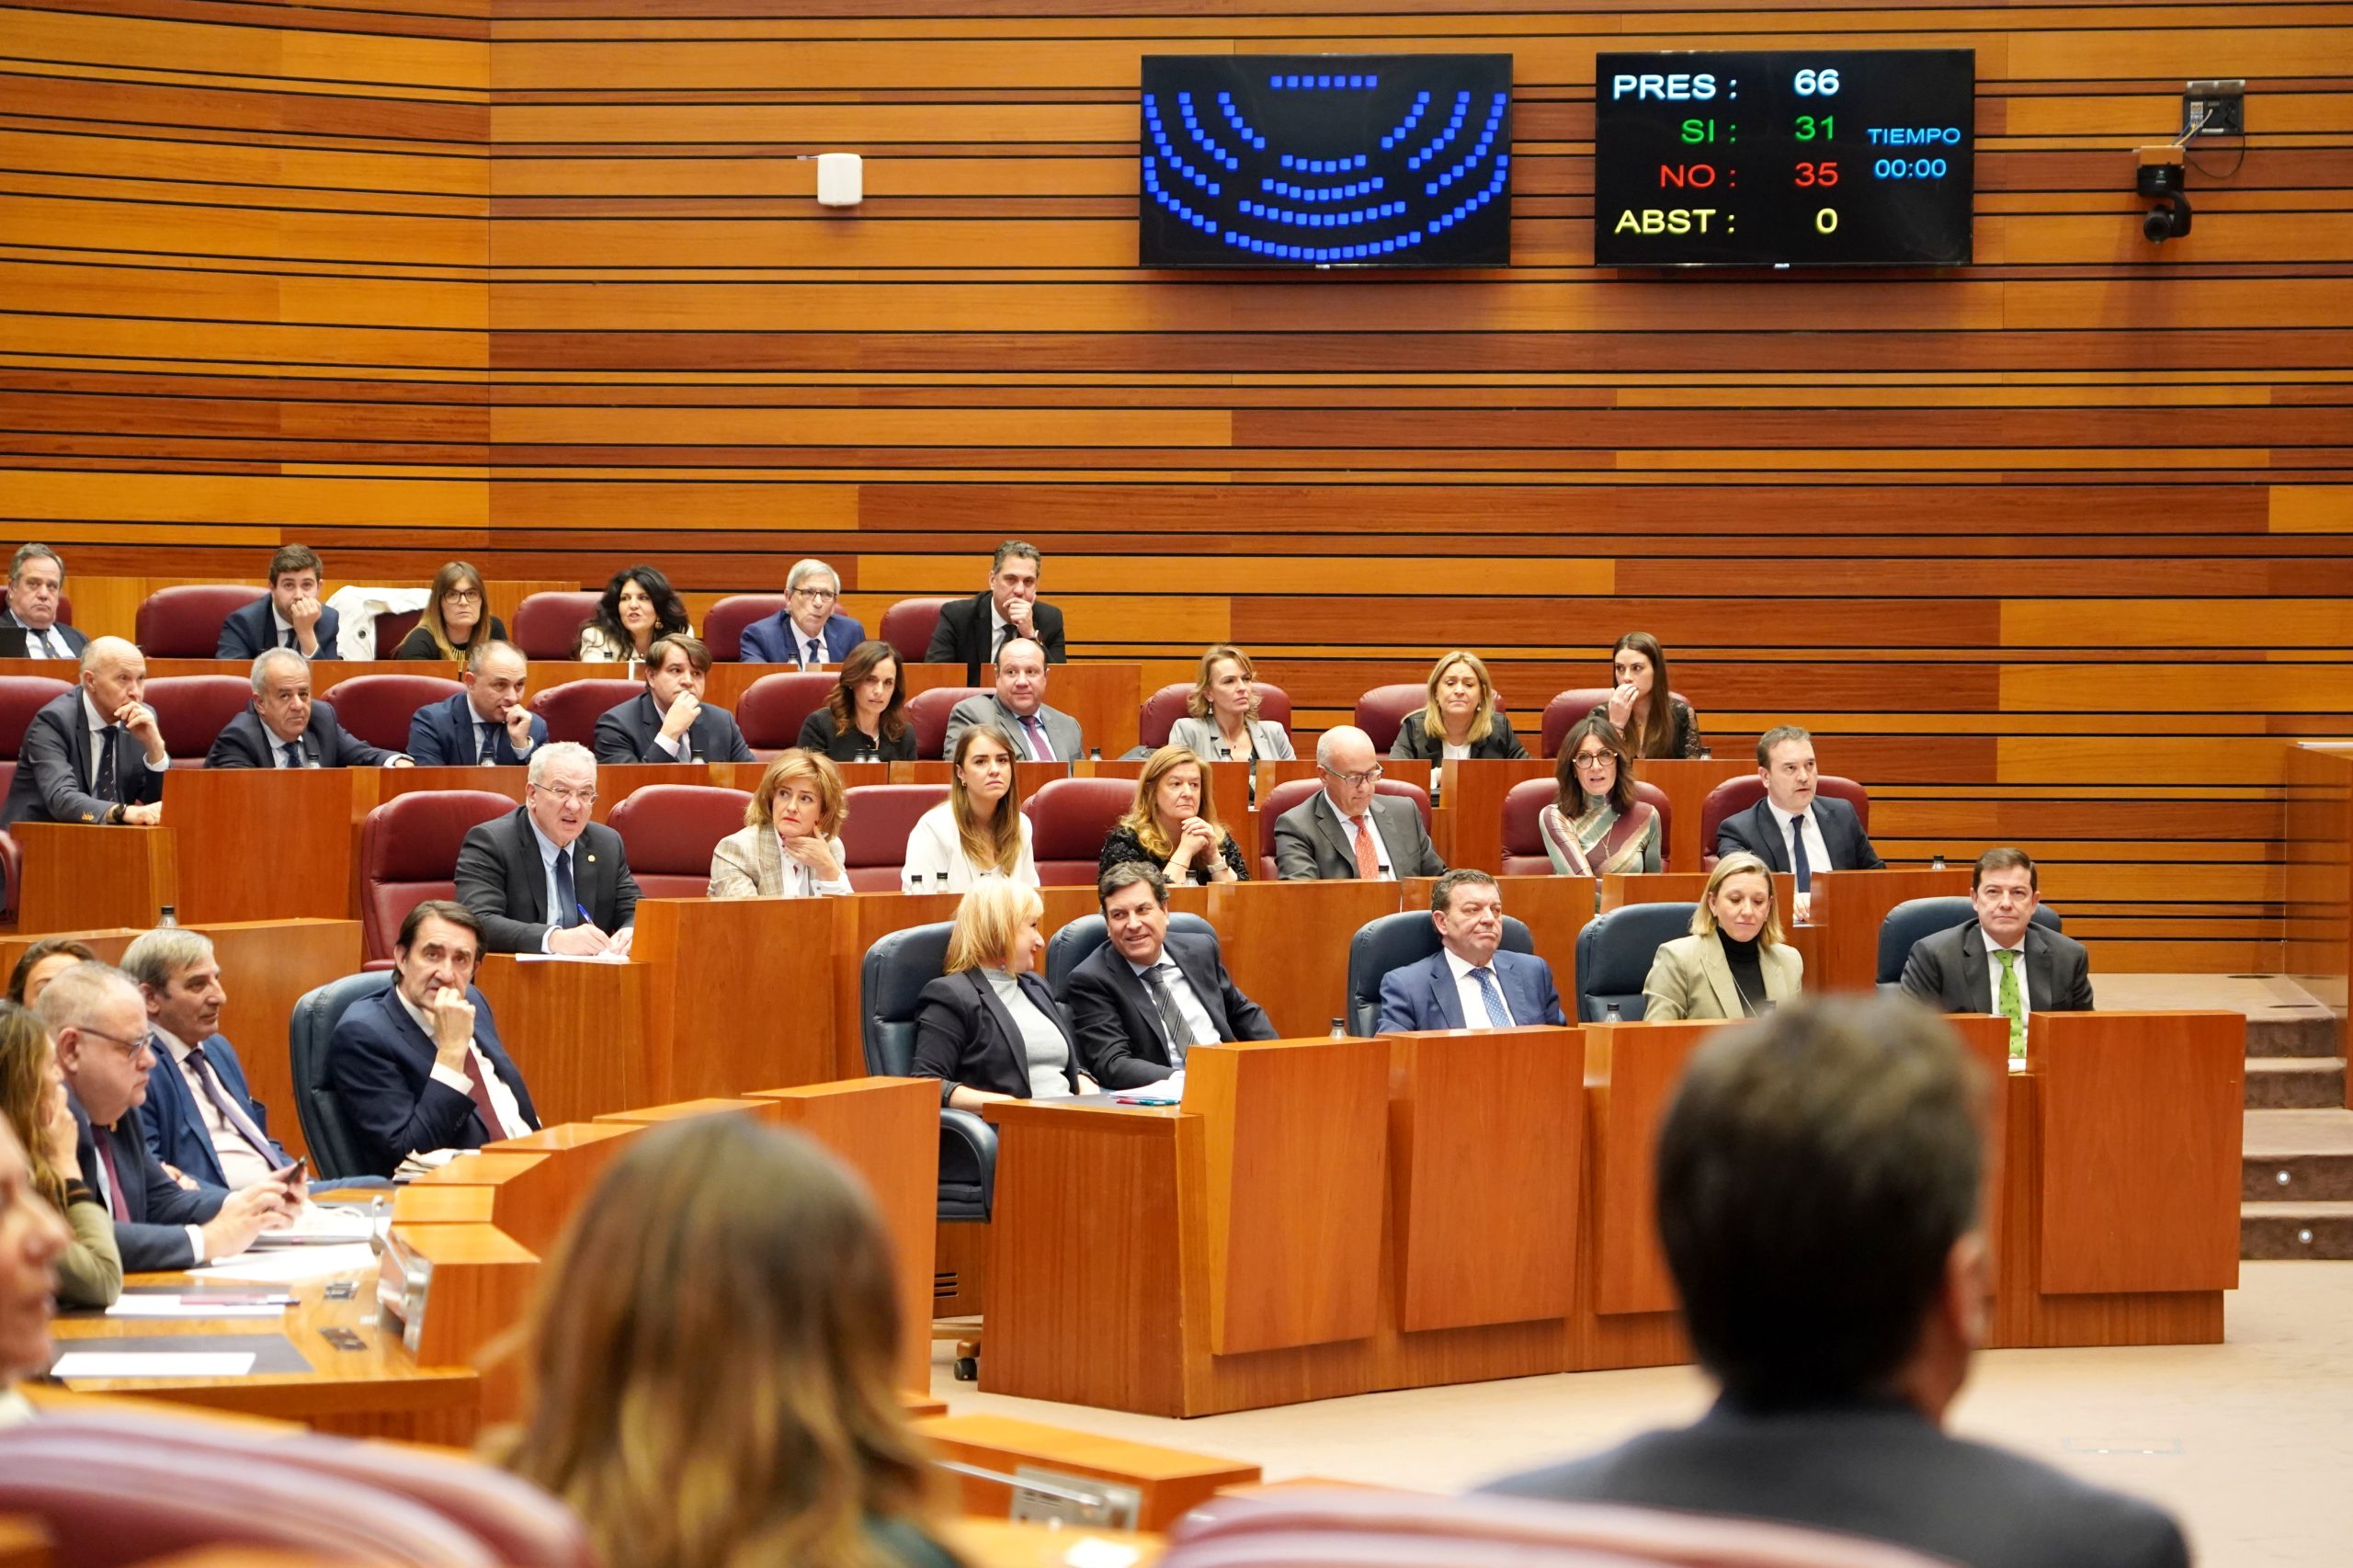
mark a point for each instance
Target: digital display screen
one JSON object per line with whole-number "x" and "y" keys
{"x": 1795, "y": 158}
{"x": 1327, "y": 160}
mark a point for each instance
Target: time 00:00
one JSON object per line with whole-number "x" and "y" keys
{"x": 1908, "y": 168}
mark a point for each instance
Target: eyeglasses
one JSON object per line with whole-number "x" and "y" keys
{"x": 814, "y": 593}
{"x": 1354, "y": 780}
{"x": 1594, "y": 758}
{"x": 464, "y": 596}
{"x": 134, "y": 1049}
{"x": 568, "y": 797}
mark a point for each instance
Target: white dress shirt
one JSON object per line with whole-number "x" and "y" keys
{"x": 97, "y": 724}
{"x": 801, "y": 881}
{"x": 808, "y": 648}
{"x": 556, "y": 912}
{"x": 1473, "y": 998}
{"x": 1189, "y": 1003}
{"x": 49, "y": 644}
{"x": 934, "y": 850}
{"x": 1817, "y": 852}
{"x": 1993, "y": 975}
{"x": 1348, "y": 833}
{"x": 241, "y": 1164}
{"x": 512, "y": 1122}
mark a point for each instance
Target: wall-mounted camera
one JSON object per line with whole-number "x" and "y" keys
{"x": 2164, "y": 179}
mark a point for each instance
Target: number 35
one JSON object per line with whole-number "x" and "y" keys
{"x": 1818, "y": 174}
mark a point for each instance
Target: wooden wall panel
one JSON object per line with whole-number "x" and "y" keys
{"x": 2052, "y": 550}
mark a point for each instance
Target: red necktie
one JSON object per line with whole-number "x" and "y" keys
{"x": 1368, "y": 853}
{"x": 478, "y": 1090}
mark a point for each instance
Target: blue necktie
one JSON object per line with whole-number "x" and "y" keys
{"x": 293, "y": 750}
{"x": 1498, "y": 1015}
{"x": 1798, "y": 861}
{"x": 108, "y": 784}
{"x": 489, "y": 753}
{"x": 567, "y": 912}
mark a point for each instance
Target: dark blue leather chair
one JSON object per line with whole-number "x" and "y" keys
{"x": 335, "y": 1152}
{"x": 1918, "y": 918}
{"x": 1614, "y": 956}
{"x": 1077, "y": 942}
{"x": 1393, "y": 942}
{"x": 890, "y": 981}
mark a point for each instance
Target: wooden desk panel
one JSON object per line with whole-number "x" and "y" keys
{"x": 1686, "y": 783}
{"x": 2319, "y": 848}
{"x": 576, "y": 1030}
{"x": 1554, "y": 910}
{"x": 1850, "y": 907}
{"x": 542, "y": 1177}
{"x": 1633, "y": 1069}
{"x": 1170, "y": 1481}
{"x": 747, "y": 998}
{"x": 1286, "y": 944}
{"x": 86, "y": 877}
{"x": 1473, "y": 802}
{"x": 264, "y": 844}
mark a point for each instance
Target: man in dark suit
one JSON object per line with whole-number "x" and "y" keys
{"x": 1819, "y": 1179}
{"x": 1470, "y": 982}
{"x": 811, "y": 633}
{"x": 2001, "y": 962}
{"x": 485, "y": 723}
{"x": 417, "y": 1067}
{"x": 1348, "y": 828}
{"x": 285, "y": 727}
{"x": 94, "y": 755}
{"x": 1144, "y": 997}
{"x": 971, "y": 630}
{"x": 28, "y": 626}
{"x": 1793, "y": 828}
{"x": 290, "y": 617}
{"x": 668, "y": 722}
{"x": 544, "y": 879}
{"x": 98, "y": 1021}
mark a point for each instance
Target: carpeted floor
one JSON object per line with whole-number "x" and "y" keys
{"x": 2250, "y": 1441}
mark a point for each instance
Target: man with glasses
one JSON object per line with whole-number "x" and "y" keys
{"x": 1348, "y": 828}
{"x": 2001, "y": 961}
{"x": 98, "y": 1019}
{"x": 544, "y": 879}
{"x": 810, "y": 631}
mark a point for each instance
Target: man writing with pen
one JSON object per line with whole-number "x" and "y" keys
{"x": 545, "y": 879}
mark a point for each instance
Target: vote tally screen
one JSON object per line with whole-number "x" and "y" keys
{"x": 1799, "y": 157}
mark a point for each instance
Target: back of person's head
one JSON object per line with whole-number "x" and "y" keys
{"x": 714, "y": 1357}
{"x": 1816, "y": 1169}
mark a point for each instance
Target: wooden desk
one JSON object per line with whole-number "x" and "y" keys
{"x": 746, "y": 995}
{"x": 1687, "y": 782}
{"x": 1169, "y": 1482}
{"x": 84, "y": 877}
{"x": 1850, "y": 907}
{"x": 1286, "y": 944}
{"x": 1473, "y": 802}
{"x": 2319, "y": 850}
{"x": 264, "y": 844}
{"x": 577, "y": 1031}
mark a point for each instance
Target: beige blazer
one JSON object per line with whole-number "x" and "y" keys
{"x": 749, "y": 863}
{"x": 1690, "y": 979}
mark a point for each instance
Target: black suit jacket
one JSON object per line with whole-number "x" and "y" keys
{"x": 1877, "y": 1470}
{"x": 626, "y": 734}
{"x": 503, "y": 881}
{"x": 155, "y": 1236}
{"x": 817, "y": 734}
{"x": 249, "y": 630}
{"x": 247, "y": 743}
{"x": 1413, "y": 740}
{"x": 963, "y": 1034}
{"x": 52, "y": 782}
{"x": 381, "y": 1067}
{"x": 1756, "y": 831}
{"x": 1950, "y": 972}
{"x": 1118, "y": 1028}
{"x": 442, "y": 734}
{"x": 961, "y": 636}
{"x": 12, "y": 635}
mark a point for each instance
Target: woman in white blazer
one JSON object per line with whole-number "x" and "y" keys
{"x": 1734, "y": 964}
{"x": 980, "y": 831}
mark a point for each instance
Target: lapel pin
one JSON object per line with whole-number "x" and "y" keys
{"x": 592, "y": 859}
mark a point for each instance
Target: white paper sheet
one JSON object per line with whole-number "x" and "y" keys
{"x": 289, "y": 1264}
{"x": 154, "y": 1364}
{"x": 190, "y": 1307}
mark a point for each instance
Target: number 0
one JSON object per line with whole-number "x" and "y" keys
{"x": 1826, "y": 220}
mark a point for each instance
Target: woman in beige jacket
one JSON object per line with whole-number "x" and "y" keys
{"x": 1734, "y": 964}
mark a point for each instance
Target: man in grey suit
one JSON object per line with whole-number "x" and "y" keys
{"x": 544, "y": 879}
{"x": 1348, "y": 828}
{"x": 1793, "y": 828}
{"x": 1019, "y": 708}
{"x": 2001, "y": 962}
{"x": 1819, "y": 1181}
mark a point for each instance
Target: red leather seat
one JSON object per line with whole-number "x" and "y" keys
{"x": 669, "y": 830}
{"x": 408, "y": 853}
{"x": 907, "y": 626}
{"x": 926, "y": 713}
{"x": 1735, "y": 796}
{"x": 192, "y": 710}
{"x": 547, "y": 626}
{"x": 1565, "y": 710}
{"x": 877, "y": 820}
{"x": 1293, "y": 792}
{"x": 1164, "y": 708}
{"x": 774, "y": 706}
{"x": 572, "y": 708}
{"x": 722, "y": 629}
{"x": 1069, "y": 819}
{"x": 1381, "y": 713}
{"x": 1524, "y": 853}
{"x": 392, "y": 626}
{"x": 65, "y": 610}
{"x": 184, "y": 621}
{"x": 377, "y": 708}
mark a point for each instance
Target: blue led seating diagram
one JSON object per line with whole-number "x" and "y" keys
{"x": 1444, "y": 158}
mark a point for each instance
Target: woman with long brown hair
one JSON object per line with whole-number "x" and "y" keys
{"x": 1173, "y": 825}
{"x": 1642, "y": 708}
{"x": 980, "y": 831}
{"x": 33, "y": 1104}
{"x": 713, "y": 1361}
{"x": 457, "y": 619}
{"x": 862, "y": 719}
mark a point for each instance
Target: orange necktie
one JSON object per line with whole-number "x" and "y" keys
{"x": 1368, "y": 855}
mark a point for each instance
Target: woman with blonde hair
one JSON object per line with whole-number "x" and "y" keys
{"x": 1173, "y": 825}
{"x": 714, "y": 1361}
{"x": 1595, "y": 826}
{"x": 33, "y": 1104}
{"x": 456, "y": 620}
{"x": 789, "y": 845}
{"x": 1222, "y": 722}
{"x": 980, "y": 831}
{"x": 1460, "y": 719}
{"x": 1734, "y": 963}
{"x": 989, "y": 1029}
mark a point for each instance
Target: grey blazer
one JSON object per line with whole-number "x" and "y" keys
{"x": 1690, "y": 979}
{"x": 1268, "y": 740}
{"x": 1062, "y": 730}
{"x": 1311, "y": 847}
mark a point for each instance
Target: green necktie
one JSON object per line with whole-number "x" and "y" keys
{"x": 2008, "y": 1003}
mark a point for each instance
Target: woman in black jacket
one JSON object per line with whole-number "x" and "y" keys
{"x": 1460, "y": 718}
{"x": 862, "y": 720}
{"x": 989, "y": 1029}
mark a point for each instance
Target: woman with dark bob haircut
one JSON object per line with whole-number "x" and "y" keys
{"x": 639, "y": 606}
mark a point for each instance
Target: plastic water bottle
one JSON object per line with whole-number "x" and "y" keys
{"x": 1936, "y": 862}
{"x": 939, "y": 881}
{"x": 167, "y": 915}
{"x": 1613, "y": 1016}
{"x": 1339, "y": 1028}
{"x": 1707, "y": 754}
{"x": 1094, "y": 753}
